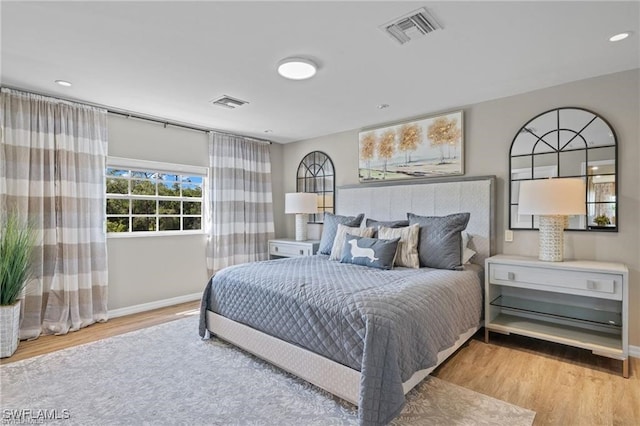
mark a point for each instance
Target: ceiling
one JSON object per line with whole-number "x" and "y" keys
{"x": 170, "y": 59}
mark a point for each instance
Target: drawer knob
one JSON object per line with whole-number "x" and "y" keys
{"x": 276, "y": 249}
{"x": 301, "y": 252}
{"x": 511, "y": 276}
{"x": 592, "y": 285}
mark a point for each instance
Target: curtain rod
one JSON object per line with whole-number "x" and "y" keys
{"x": 129, "y": 114}
{"x": 184, "y": 126}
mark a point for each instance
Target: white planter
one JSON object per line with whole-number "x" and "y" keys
{"x": 9, "y": 329}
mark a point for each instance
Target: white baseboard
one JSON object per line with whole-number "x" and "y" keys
{"x": 153, "y": 305}
{"x": 634, "y": 351}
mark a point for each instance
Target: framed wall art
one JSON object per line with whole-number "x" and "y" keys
{"x": 422, "y": 148}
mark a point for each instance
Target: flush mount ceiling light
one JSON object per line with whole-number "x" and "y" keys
{"x": 63, "y": 83}
{"x": 620, "y": 36}
{"x": 297, "y": 68}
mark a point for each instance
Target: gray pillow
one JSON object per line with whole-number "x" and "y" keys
{"x": 330, "y": 227}
{"x": 440, "y": 240}
{"x": 375, "y": 224}
{"x": 372, "y": 223}
{"x": 338, "y": 243}
{"x": 369, "y": 251}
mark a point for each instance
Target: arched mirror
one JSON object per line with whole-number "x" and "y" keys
{"x": 568, "y": 142}
{"x": 316, "y": 174}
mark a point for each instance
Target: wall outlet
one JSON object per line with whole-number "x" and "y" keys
{"x": 508, "y": 235}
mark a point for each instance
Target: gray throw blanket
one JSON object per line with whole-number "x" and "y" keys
{"x": 387, "y": 324}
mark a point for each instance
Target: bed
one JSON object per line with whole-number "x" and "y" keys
{"x": 364, "y": 334}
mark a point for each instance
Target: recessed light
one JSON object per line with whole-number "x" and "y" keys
{"x": 382, "y": 106}
{"x": 268, "y": 131}
{"x": 620, "y": 36}
{"x": 63, "y": 83}
{"x": 297, "y": 68}
{"x": 594, "y": 168}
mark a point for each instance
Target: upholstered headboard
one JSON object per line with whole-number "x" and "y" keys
{"x": 391, "y": 201}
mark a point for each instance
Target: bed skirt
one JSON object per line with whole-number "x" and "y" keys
{"x": 335, "y": 378}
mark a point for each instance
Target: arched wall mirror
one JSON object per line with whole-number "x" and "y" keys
{"x": 316, "y": 174}
{"x": 568, "y": 142}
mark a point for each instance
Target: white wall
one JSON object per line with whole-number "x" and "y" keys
{"x": 489, "y": 131}
{"x": 148, "y": 269}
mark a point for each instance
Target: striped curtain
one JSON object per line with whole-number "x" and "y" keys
{"x": 52, "y": 165}
{"x": 240, "y": 199}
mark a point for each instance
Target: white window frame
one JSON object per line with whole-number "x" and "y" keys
{"x": 164, "y": 168}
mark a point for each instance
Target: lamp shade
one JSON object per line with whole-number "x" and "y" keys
{"x": 300, "y": 202}
{"x": 548, "y": 197}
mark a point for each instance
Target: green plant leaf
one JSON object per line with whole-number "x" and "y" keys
{"x": 17, "y": 241}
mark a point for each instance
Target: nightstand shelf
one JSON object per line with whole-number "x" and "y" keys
{"x": 600, "y": 343}
{"x": 579, "y": 314}
{"x": 576, "y": 303}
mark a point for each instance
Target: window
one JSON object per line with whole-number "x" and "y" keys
{"x": 315, "y": 174}
{"x": 146, "y": 197}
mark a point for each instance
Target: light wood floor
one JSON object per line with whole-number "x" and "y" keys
{"x": 98, "y": 331}
{"x": 565, "y": 386}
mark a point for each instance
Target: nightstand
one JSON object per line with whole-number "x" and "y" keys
{"x": 289, "y": 247}
{"x": 576, "y": 303}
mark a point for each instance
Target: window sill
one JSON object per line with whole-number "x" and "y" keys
{"x": 147, "y": 234}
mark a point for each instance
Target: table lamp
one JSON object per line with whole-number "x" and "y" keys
{"x": 301, "y": 204}
{"x": 552, "y": 200}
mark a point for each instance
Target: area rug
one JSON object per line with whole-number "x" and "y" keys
{"x": 167, "y": 374}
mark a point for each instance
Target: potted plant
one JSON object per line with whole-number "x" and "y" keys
{"x": 602, "y": 220}
{"x": 17, "y": 239}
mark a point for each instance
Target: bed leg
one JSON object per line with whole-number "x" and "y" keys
{"x": 486, "y": 335}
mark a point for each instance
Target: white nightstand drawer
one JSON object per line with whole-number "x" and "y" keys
{"x": 607, "y": 286}
{"x": 282, "y": 249}
{"x": 292, "y": 248}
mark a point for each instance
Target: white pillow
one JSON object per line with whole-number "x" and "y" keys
{"x": 407, "y": 254}
{"x": 341, "y": 233}
{"x": 467, "y": 253}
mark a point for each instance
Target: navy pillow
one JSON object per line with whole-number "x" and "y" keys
{"x": 330, "y": 227}
{"x": 440, "y": 243}
{"x": 369, "y": 251}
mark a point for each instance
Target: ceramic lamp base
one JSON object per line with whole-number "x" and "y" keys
{"x": 301, "y": 226}
{"x": 551, "y": 238}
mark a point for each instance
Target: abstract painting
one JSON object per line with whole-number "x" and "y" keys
{"x": 424, "y": 148}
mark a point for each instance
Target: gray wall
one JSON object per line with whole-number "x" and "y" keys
{"x": 489, "y": 130}
{"x": 148, "y": 269}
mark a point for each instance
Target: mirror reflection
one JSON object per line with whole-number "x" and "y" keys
{"x": 316, "y": 174}
{"x": 567, "y": 142}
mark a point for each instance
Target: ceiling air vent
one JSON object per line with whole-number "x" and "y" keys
{"x": 228, "y": 102}
{"x": 411, "y": 26}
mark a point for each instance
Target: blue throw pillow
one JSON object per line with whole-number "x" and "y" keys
{"x": 440, "y": 242}
{"x": 330, "y": 227}
{"x": 369, "y": 251}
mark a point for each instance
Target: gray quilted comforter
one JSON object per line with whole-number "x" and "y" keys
{"x": 385, "y": 324}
